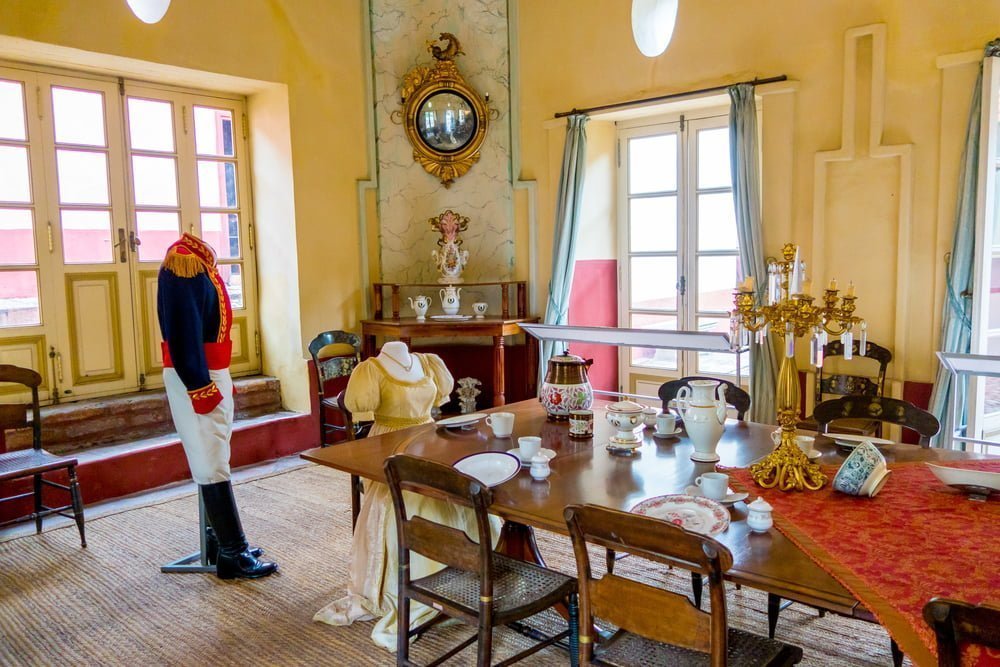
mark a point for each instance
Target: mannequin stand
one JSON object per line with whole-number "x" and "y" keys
{"x": 197, "y": 561}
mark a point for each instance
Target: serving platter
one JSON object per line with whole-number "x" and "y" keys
{"x": 461, "y": 421}
{"x": 851, "y": 441}
{"x": 451, "y": 318}
{"x": 490, "y": 468}
{"x": 977, "y": 483}
{"x": 695, "y": 513}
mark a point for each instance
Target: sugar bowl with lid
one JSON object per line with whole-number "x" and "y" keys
{"x": 625, "y": 417}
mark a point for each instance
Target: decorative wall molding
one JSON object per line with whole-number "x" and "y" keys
{"x": 873, "y": 148}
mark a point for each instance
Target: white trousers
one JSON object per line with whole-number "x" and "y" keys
{"x": 205, "y": 437}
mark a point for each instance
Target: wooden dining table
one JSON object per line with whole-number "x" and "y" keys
{"x": 584, "y": 471}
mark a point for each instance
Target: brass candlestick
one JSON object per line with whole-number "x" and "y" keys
{"x": 789, "y": 313}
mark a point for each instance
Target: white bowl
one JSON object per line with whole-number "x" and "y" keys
{"x": 490, "y": 468}
{"x": 964, "y": 477}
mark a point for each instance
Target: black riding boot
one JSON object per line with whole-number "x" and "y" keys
{"x": 235, "y": 559}
{"x": 212, "y": 547}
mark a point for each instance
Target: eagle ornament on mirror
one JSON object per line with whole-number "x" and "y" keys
{"x": 444, "y": 118}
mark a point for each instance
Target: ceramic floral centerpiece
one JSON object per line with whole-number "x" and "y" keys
{"x": 450, "y": 259}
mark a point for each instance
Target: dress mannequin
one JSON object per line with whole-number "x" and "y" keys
{"x": 397, "y": 389}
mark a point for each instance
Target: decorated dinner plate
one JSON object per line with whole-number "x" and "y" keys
{"x": 695, "y": 513}
{"x": 459, "y": 421}
{"x": 451, "y": 318}
{"x": 852, "y": 441}
{"x": 490, "y": 468}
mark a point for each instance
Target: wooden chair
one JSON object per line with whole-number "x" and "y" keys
{"x": 735, "y": 396}
{"x": 962, "y": 628}
{"x": 35, "y": 462}
{"x": 336, "y": 423}
{"x": 880, "y": 409}
{"x": 657, "y": 626}
{"x": 843, "y": 384}
{"x": 478, "y": 586}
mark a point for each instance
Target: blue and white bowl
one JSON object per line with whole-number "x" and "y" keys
{"x": 863, "y": 472}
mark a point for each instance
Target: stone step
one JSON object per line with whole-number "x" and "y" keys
{"x": 102, "y": 422}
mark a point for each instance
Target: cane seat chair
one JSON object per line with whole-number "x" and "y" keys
{"x": 335, "y": 354}
{"x": 832, "y": 384}
{"x": 35, "y": 463}
{"x": 966, "y": 634}
{"x": 735, "y": 395}
{"x": 477, "y": 585}
{"x": 657, "y": 626}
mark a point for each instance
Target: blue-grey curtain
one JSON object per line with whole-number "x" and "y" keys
{"x": 566, "y": 230}
{"x": 744, "y": 161}
{"x": 956, "y": 324}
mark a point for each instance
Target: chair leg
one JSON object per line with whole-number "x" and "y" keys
{"x": 74, "y": 490}
{"x": 484, "y": 653}
{"x": 773, "y": 608}
{"x": 402, "y": 631}
{"x": 355, "y": 500}
{"x": 609, "y": 559}
{"x": 696, "y": 588}
{"x": 897, "y": 655}
{"x": 38, "y": 502}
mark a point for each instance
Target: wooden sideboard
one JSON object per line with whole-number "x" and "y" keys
{"x": 520, "y": 288}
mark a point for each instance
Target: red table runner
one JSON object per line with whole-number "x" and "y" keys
{"x": 916, "y": 540}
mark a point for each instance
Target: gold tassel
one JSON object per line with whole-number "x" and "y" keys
{"x": 183, "y": 266}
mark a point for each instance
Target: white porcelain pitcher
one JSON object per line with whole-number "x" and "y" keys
{"x": 420, "y": 305}
{"x": 450, "y": 299}
{"x": 702, "y": 405}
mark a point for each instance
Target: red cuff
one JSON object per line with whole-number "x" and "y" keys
{"x": 205, "y": 399}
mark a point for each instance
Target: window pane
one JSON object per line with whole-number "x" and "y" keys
{"x": 717, "y": 363}
{"x": 157, "y": 230}
{"x": 653, "y": 224}
{"x": 213, "y": 131}
{"x": 15, "y": 185}
{"x": 83, "y": 177}
{"x": 652, "y": 164}
{"x": 222, "y": 232}
{"x": 17, "y": 237}
{"x": 713, "y": 158}
{"x": 217, "y": 184}
{"x": 150, "y": 125}
{"x": 717, "y": 222}
{"x": 19, "y": 299}
{"x": 155, "y": 180}
{"x": 654, "y": 283}
{"x": 654, "y": 357}
{"x": 12, "y": 111}
{"x": 717, "y": 276}
{"x": 86, "y": 237}
{"x": 79, "y": 116}
{"x": 232, "y": 277}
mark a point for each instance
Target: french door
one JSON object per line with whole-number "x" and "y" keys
{"x": 100, "y": 177}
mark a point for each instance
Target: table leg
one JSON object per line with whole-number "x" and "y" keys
{"x": 532, "y": 365}
{"x": 518, "y": 541}
{"x": 498, "y": 379}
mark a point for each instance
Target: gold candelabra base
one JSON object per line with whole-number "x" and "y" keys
{"x": 787, "y": 468}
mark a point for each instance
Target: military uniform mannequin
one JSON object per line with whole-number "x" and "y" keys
{"x": 195, "y": 318}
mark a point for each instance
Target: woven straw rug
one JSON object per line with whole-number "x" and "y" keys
{"x": 110, "y": 605}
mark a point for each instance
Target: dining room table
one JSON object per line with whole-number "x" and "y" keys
{"x": 585, "y": 471}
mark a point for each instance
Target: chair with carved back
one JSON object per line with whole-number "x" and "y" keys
{"x": 880, "y": 409}
{"x": 657, "y": 626}
{"x": 735, "y": 395}
{"x": 35, "y": 463}
{"x": 477, "y": 586}
{"x": 966, "y": 634}
{"x": 335, "y": 354}
{"x": 832, "y": 384}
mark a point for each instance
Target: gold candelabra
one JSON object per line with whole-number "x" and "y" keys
{"x": 787, "y": 310}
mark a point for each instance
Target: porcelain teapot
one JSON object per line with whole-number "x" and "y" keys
{"x": 450, "y": 300}
{"x": 566, "y": 386}
{"x": 702, "y": 405}
{"x": 420, "y": 305}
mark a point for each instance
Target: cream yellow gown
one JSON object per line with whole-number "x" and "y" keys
{"x": 371, "y": 592}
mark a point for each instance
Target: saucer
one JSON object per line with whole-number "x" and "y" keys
{"x": 548, "y": 453}
{"x": 731, "y": 496}
{"x": 705, "y": 458}
{"x": 615, "y": 448}
{"x": 676, "y": 432}
{"x": 460, "y": 421}
{"x": 814, "y": 454}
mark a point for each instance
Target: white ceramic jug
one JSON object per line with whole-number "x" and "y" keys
{"x": 420, "y": 305}
{"x": 704, "y": 414}
{"x": 450, "y": 299}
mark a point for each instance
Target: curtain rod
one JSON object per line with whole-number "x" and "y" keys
{"x": 671, "y": 96}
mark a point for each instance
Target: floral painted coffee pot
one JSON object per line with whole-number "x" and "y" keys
{"x": 702, "y": 405}
{"x": 566, "y": 386}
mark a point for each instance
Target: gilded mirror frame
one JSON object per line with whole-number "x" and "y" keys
{"x": 420, "y": 87}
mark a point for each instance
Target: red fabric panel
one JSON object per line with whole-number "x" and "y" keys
{"x": 593, "y": 302}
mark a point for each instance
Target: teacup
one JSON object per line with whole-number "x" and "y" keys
{"x": 666, "y": 423}
{"x": 649, "y": 417}
{"x": 581, "y": 423}
{"x": 529, "y": 446}
{"x": 714, "y": 485}
{"x": 502, "y": 423}
{"x": 805, "y": 442}
{"x": 863, "y": 472}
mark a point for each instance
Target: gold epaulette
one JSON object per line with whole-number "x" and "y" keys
{"x": 180, "y": 262}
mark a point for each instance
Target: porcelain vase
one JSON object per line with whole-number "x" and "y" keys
{"x": 702, "y": 404}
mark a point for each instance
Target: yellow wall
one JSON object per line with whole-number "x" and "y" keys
{"x": 591, "y": 60}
